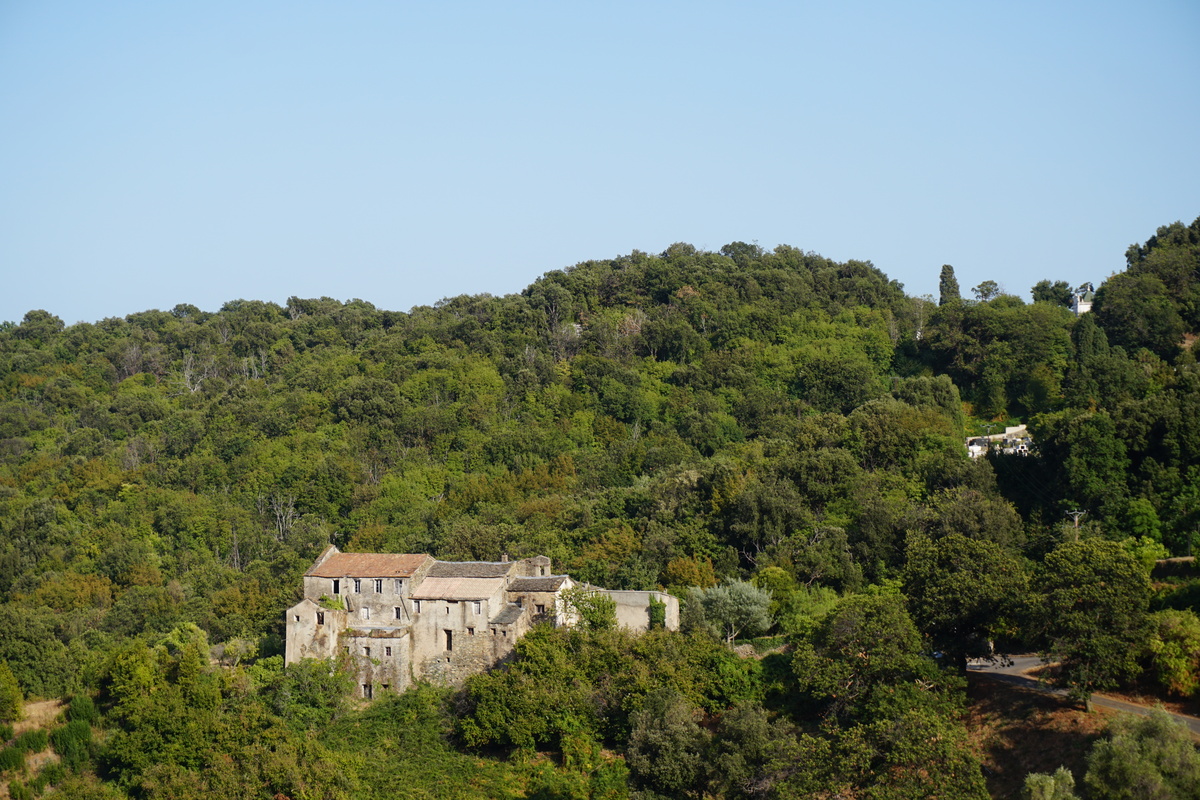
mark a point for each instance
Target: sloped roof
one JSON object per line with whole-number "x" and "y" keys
{"x": 457, "y": 588}
{"x": 550, "y": 583}
{"x": 470, "y": 569}
{"x": 368, "y": 565}
{"x": 508, "y": 615}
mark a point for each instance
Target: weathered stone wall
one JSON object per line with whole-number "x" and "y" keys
{"x": 313, "y": 631}
{"x": 382, "y": 658}
{"x": 473, "y": 646}
{"x": 633, "y": 609}
{"x": 549, "y": 602}
{"x": 392, "y": 639}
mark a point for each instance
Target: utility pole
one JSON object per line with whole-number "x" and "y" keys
{"x": 1075, "y": 515}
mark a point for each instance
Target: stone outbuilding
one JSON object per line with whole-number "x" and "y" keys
{"x": 403, "y": 617}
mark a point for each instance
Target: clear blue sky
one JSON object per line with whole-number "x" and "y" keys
{"x": 155, "y": 153}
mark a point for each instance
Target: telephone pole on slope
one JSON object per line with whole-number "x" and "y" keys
{"x": 1076, "y": 515}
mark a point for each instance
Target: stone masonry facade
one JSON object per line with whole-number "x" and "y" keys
{"x": 403, "y": 617}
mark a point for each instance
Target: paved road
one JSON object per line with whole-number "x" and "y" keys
{"x": 1017, "y": 673}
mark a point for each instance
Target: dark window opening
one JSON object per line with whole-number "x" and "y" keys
{"x": 357, "y": 585}
{"x": 367, "y": 693}
{"x": 320, "y": 617}
{"x": 337, "y": 586}
{"x": 399, "y": 612}
{"x": 367, "y": 652}
{"x": 387, "y": 651}
{"x": 449, "y": 640}
{"x": 470, "y": 631}
{"x": 379, "y": 584}
{"x": 541, "y": 609}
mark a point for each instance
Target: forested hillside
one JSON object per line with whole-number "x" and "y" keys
{"x": 689, "y": 420}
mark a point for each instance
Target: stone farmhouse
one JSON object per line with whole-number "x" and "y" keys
{"x": 403, "y": 617}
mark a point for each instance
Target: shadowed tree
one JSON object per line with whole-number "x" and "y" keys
{"x": 961, "y": 592}
{"x": 1091, "y": 608}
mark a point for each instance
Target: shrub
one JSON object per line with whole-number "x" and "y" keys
{"x": 72, "y": 742}
{"x": 33, "y": 741}
{"x": 11, "y": 699}
{"x": 11, "y": 759}
{"x": 82, "y": 708}
{"x": 52, "y": 774}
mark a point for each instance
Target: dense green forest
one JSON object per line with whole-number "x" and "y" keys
{"x": 775, "y": 437}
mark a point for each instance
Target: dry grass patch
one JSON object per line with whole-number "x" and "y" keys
{"x": 1017, "y": 731}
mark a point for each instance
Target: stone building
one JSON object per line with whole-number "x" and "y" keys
{"x": 408, "y": 617}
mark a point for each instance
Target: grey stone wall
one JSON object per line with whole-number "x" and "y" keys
{"x": 313, "y": 631}
{"x": 633, "y": 608}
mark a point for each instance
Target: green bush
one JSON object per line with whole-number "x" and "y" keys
{"x": 11, "y": 759}
{"x": 73, "y": 743}
{"x": 34, "y": 741}
{"x": 6, "y": 732}
{"x": 52, "y": 774}
{"x": 82, "y": 708}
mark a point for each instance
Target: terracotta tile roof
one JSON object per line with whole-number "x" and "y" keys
{"x": 471, "y": 569}
{"x": 457, "y": 588}
{"x": 550, "y": 583}
{"x": 368, "y": 565}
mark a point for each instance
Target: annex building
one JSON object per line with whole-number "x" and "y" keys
{"x": 403, "y": 617}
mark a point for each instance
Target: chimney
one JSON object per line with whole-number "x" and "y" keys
{"x": 504, "y": 558}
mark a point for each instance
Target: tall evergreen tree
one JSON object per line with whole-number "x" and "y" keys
{"x": 948, "y": 286}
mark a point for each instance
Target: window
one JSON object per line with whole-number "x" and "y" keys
{"x": 385, "y": 686}
{"x": 543, "y": 570}
{"x": 478, "y": 607}
{"x": 416, "y": 606}
{"x": 387, "y": 651}
{"x": 320, "y": 617}
{"x": 470, "y": 631}
{"x": 520, "y": 602}
{"x": 357, "y": 585}
{"x": 399, "y": 585}
{"x": 504, "y": 634}
{"x": 365, "y": 612}
{"x": 336, "y": 586}
{"x": 379, "y": 584}
{"x": 399, "y": 612}
{"x": 449, "y": 640}
{"x": 297, "y": 617}
{"x": 367, "y": 693}
{"x": 447, "y": 608}
{"x": 541, "y": 609}
{"x": 367, "y": 652}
